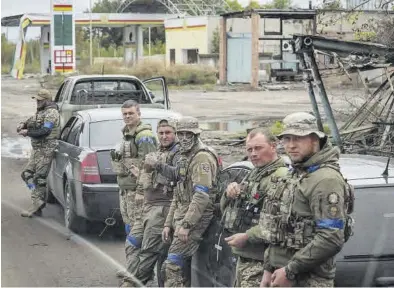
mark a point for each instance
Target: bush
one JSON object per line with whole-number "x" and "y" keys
{"x": 179, "y": 75}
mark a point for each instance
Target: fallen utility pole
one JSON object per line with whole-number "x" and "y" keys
{"x": 359, "y": 56}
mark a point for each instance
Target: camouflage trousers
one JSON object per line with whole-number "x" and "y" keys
{"x": 249, "y": 272}
{"x": 145, "y": 250}
{"x": 312, "y": 280}
{"x": 36, "y": 171}
{"x": 126, "y": 203}
{"x": 177, "y": 267}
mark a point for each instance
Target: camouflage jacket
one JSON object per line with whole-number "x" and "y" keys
{"x": 44, "y": 127}
{"x": 303, "y": 216}
{"x": 136, "y": 143}
{"x": 193, "y": 199}
{"x": 158, "y": 189}
{"x": 253, "y": 189}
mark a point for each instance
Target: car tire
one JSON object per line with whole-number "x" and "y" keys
{"x": 71, "y": 220}
{"x": 49, "y": 198}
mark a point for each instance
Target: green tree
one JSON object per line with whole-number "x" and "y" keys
{"x": 278, "y": 4}
{"x": 234, "y": 5}
{"x": 253, "y": 5}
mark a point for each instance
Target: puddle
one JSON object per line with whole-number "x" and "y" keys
{"x": 229, "y": 126}
{"x": 15, "y": 147}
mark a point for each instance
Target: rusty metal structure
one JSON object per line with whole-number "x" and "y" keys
{"x": 371, "y": 127}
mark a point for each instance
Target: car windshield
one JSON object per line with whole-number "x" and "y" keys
{"x": 113, "y": 134}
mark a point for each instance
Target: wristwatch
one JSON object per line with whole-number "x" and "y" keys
{"x": 289, "y": 274}
{"x": 186, "y": 225}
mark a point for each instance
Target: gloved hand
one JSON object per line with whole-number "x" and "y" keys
{"x": 150, "y": 162}
{"x": 115, "y": 155}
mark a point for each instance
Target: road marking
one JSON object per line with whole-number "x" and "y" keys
{"x": 388, "y": 215}
{"x": 77, "y": 239}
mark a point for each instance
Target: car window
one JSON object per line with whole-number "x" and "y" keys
{"x": 107, "y": 92}
{"x": 75, "y": 132}
{"x": 112, "y": 134}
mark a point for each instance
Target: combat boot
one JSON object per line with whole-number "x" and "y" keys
{"x": 34, "y": 209}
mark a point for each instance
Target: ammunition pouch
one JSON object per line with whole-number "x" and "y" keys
{"x": 240, "y": 218}
{"x": 118, "y": 168}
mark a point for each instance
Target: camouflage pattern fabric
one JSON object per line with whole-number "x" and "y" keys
{"x": 300, "y": 124}
{"x": 312, "y": 280}
{"x": 178, "y": 263}
{"x": 126, "y": 202}
{"x": 36, "y": 171}
{"x": 141, "y": 261}
{"x": 249, "y": 272}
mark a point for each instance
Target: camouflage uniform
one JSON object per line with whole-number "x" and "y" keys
{"x": 193, "y": 204}
{"x": 43, "y": 129}
{"x": 242, "y": 213}
{"x": 305, "y": 214}
{"x": 136, "y": 144}
{"x": 158, "y": 196}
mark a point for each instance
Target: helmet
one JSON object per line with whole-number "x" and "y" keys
{"x": 188, "y": 124}
{"x": 300, "y": 124}
{"x": 43, "y": 94}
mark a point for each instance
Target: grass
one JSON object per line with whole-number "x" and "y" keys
{"x": 176, "y": 75}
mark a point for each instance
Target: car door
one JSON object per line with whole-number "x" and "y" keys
{"x": 215, "y": 266}
{"x": 66, "y": 153}
{"x": 60, "y": 98}
{"x": 158, "y": 91}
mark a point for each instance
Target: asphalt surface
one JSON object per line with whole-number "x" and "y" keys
{"x": 40, "y": 251}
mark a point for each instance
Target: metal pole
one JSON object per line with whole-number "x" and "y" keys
{"x": 311, "y": 92}
{"x": 91, "y": 33}
{"x": 324, "y": 99}
{"x": 149, "y": 40}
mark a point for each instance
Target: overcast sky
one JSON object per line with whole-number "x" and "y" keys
{"x": 15, "y": 7}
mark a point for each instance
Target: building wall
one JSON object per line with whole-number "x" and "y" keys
{"x": 186, "y": 33}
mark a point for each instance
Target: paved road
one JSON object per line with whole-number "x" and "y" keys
{"x": 41, "y": 252}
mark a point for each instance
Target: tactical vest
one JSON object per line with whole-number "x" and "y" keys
{"x": 185, "y": 188}
{"x": 244, "y": 212}
{"x": 282, "y": 227}
{"x": 38, "y": 122}
{"x": 129, "y": 151}
{"x": 166, "y": 157}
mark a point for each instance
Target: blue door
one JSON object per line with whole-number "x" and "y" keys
{"x": 239, "y": 58}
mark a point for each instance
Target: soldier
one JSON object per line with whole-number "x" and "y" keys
{"x": 43, "y": 129}
{"x": 138, "y": 140}
{"x": 241, "y": 205}
{"x": 192, "y": 207}
{"x": 158, "y": 196}
{"x": 305, "y": 215}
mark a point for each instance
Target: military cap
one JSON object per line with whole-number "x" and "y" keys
{"x": 43, "y": 94}
{"x": 171, "y": 122}
{"x": 300, "y": 124}
{"x": 188, "y": 124}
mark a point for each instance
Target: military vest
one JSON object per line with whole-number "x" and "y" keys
{"x": 281, "y": 226}
{"x": 185, "y": 185}
{"x": 166, "y": 157}
{"x": 244, "y": 212}
{"x": 37, "y": 122}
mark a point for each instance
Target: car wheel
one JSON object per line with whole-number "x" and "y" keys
{"x": 49, "y": 198}
{"x": 71, "y": 220}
